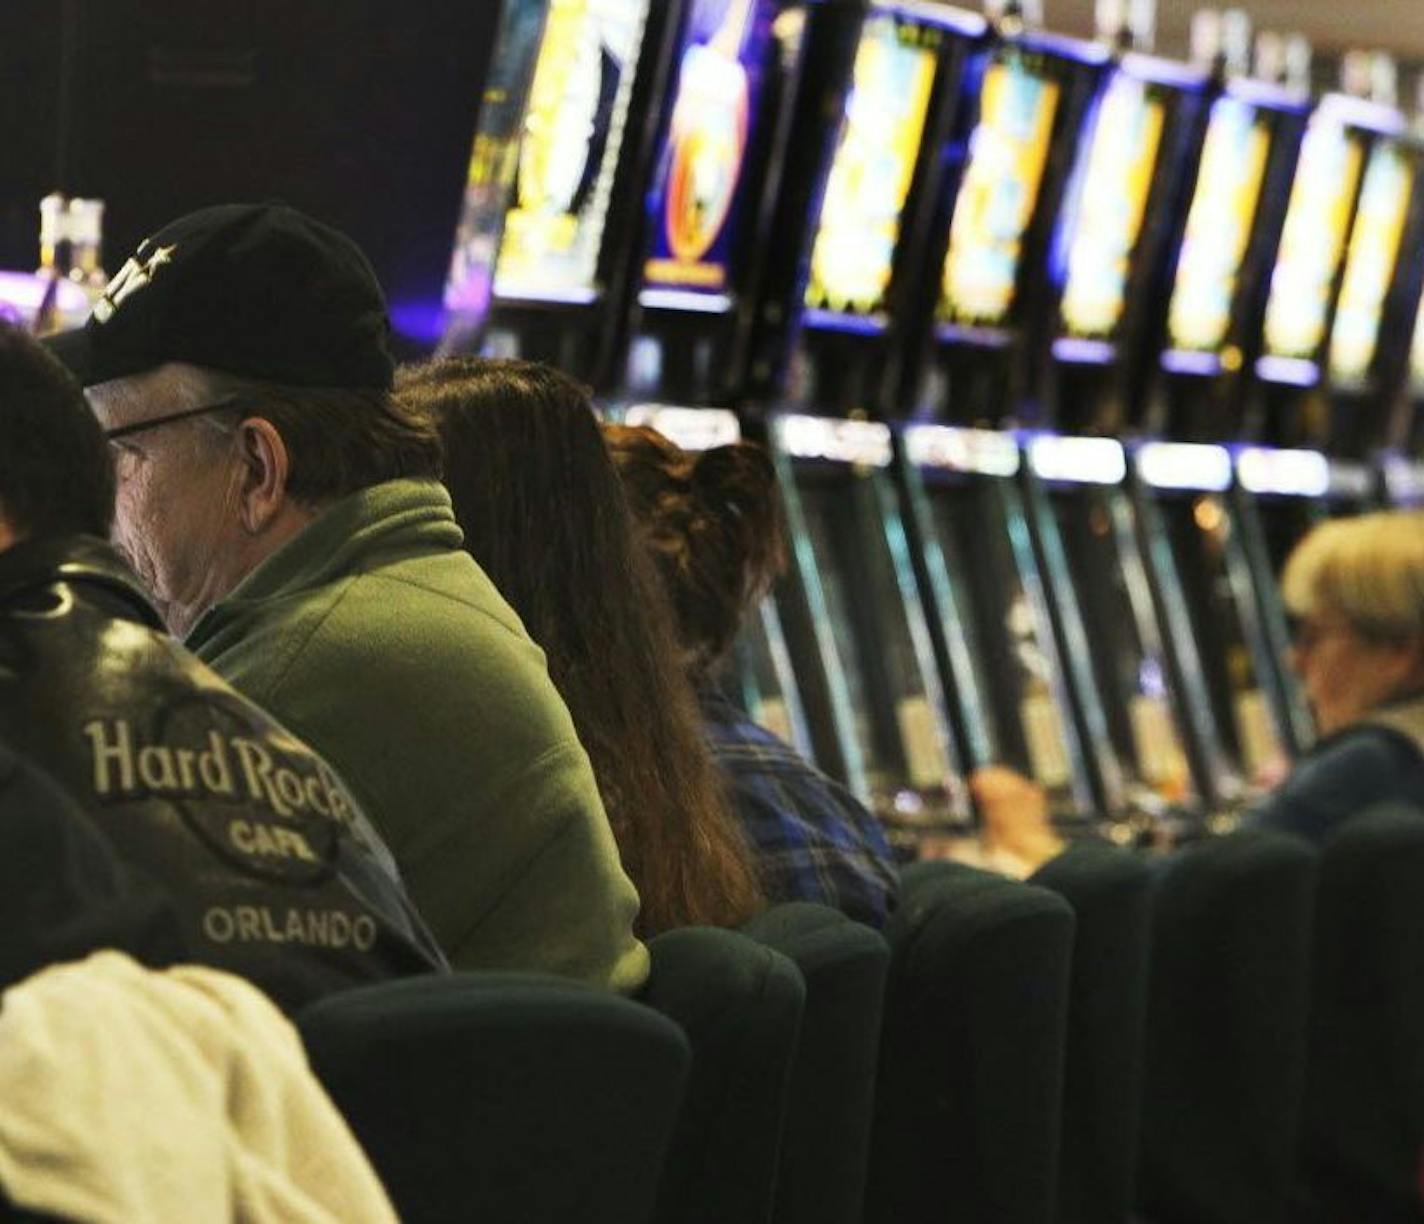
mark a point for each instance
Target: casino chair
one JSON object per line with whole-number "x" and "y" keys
{"x": 826, "y": 1143}
{"x": 1110, "y": 891}
{"x": 503, "y": 1096}
{"x": 1364, "y": 1114}
{"x": 1226, "y": 1031}
{"x": 971, "y": 1058}
{"x": 740, "y": 1005}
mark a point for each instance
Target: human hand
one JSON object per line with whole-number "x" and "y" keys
{"x": 1014, "y": 818}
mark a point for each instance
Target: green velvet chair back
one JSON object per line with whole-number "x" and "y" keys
{"x": 1365, "y": 1083}
{"x": 826, "y": 1143}
{"x": 501, "y": 1096}
{"x": 1110, "y": 891}
{"x": 740, "y": 1005}
{"x": 971, "y": 1062}
{"x": 1226, "y": 1027}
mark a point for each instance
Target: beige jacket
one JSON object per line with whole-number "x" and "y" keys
{"x": 129, "y": 1096}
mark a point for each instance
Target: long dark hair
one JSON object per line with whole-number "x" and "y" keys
{"x": 712, "y": 521}
{"x": 545, "y": 515}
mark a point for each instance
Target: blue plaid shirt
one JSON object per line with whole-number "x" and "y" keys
{"x": 814, "y": 840}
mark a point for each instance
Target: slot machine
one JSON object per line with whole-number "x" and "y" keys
{"x": 760, "y": 678}
{"x": 742, "y": 147}
{"x": 857, "y": 630}
{"x": 1288, "y": 400}
{"x": 584, "y": 151}
{"x": 1246, "y": 712}
{"x": 1119, "y": 214}
{"x": 1199, "y": 541}
{"x": 964, "y": 353}
{"x": 862, "y": 251}
{"x": 858, "y": 623}
{"x": 1374, "y": 319}
{"x": 1133, "y": 702}
{"x": 1216, "y": 286}
{"x": 1281, "y": 493}
{"x": 469, "y": 281}
{"x": 990, "y": 619}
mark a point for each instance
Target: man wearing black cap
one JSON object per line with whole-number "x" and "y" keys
{"x": 144, "y": 804}
{"x": 287, "y": 515}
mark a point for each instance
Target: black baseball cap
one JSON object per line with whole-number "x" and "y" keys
{"x": 258, "y": 290}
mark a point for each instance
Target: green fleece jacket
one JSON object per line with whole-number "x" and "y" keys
{"x": 376, "y": 638}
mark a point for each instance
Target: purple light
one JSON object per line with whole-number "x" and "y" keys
{"x": 423, "y": 322}
{"x": 1075, "y": 351}
{"x": 834, "y": 320}
{"x": 1185, "y": 361}
{"x": 1292, "y": 371}
{"x": 980, "y": 337}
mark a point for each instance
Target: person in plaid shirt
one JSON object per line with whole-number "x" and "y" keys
{"x": 713, "y": 524}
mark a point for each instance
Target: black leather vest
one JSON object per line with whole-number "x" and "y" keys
{"x": 273, "y": 870}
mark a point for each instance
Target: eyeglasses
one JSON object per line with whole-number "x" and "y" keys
{"x": 125, "y": 431}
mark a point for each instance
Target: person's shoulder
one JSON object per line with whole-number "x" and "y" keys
{"x": 1342, "y": 776}
{"x": 1363, "y": 754}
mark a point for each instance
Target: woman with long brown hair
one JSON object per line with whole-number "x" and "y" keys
{"x": 712, "y": 523}
{"x": 545, "y": 516}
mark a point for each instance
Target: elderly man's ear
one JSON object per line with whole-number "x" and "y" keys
{"x": 9, "y": 537}
{"x": 266, "y": 467}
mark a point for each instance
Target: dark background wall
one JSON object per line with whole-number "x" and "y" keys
{"x": 361, "y": 111}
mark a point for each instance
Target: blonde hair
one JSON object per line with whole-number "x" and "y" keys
{"x": 1369, "y": 570}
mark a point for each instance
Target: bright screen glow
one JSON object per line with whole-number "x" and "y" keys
{"x": 572, "y": 134}
{"x": 1224, "y": 203}
{"x": 874, "y": 165}
{"x": 1007, "y": 155}
{"x": 694, "y": 204}
{"x": 470, "y": 282}
{"x": 1313, "y": 241}
{"x": 1107, "y": 219}
{"x": 1369, "y": 266}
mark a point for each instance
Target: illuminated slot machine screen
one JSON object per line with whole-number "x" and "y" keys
{"x": 869, "y": 184}
{"x": 696, "y": 205}
{"x": 1003, "y": 177}
{"x": 1110, "y": 203}
{"x": 1224, "y": 205}
{"x": 573, "y": 131}
{"x": 1312, "y": 246}
{"x": 1218, "y": 597}
{"x": 1129, "y": 663}
{"x": 907, "y": 763}
{"x": 1375, "y": 241}
{"x": 470, "y": 283}
{"x": 1007, "y": 637}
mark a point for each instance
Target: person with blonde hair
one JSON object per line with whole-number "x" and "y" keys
{"x": 1354, "y": 588}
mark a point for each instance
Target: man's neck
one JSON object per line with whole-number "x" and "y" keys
{"x": 228, "y": 573}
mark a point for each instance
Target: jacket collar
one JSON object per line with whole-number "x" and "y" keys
{"x": 83, "y": 560}
{"x": 386, "y": 522}
{"x": 1404, "y": 715}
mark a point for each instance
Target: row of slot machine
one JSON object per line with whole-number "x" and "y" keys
{"x": 1058, "y": 349}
